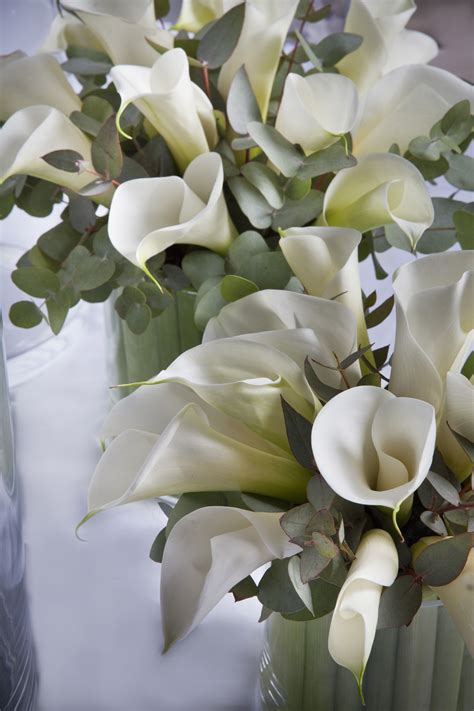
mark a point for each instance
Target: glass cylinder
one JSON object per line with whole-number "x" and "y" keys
{"x": 422, "y": 667}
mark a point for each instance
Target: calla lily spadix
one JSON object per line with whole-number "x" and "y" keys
{"x": 119, "y": 28}
{"x": 208, "y": 552}
{"x": 373, "y": 448}
{"x": 386, "y": 44}
{"x": 316, "y": 110}
{"x": 148, "y": 215}
{"x": 176, "y": 107}
{"x": 435, "y": 328}
{"x": 354, "y": 620}
{"x": 325, "y": 261}
{"x": 35, "y": 131}
{"x": 38, "y": 80}
{"x": 192, "y": 455}
{"x": 381, "y": 189}
{"x": 197, "y": 13}
{"x": 259, "y": 46}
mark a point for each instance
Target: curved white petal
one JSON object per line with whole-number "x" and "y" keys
{"x": 354, "y": 621}
{"x": 408, "y": 48}
{"x": 405, "y": 104}
{"x": 316, "y": 110}
{"x": 264, "y": 31}
{"x": 208, "y": 552}
{"x": 31, "y": 133}
{"x": 325, "y": 261}
{"x": 123, "y": 9}
{"x": 37, "y": 80}
{"x": 68, "y": 30}
{"x": 166, "y": 95}
{"x": 197, "y": 13}
{"x": 458, "y": 413}
{"x": 382, "y": 188}
{"x": 190, "y": 455}
{"x": 373, "y": 448}
{"x": 148, "y": 215}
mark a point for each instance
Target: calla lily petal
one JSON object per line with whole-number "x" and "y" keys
{"x": 405, "y": 104}
{"x": 197, "y": 13}
{"x": 178, "y": 109}
{"x": 382, "y": 188}
{"x": 373, "y": 448}
{"x": 148, "y": 215}
{"x": 325, "y": 261}
{"x": 38, "y": 80}
{"x": 208, "y": 552}
{"x": 409, "y": 48}
{"x": 258, "y": 49}
{"x": 190, "y": 455}
{"x": 354, "y": 621}
{"x": 316, "y": 110}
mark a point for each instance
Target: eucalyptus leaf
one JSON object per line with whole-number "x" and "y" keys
{"x": 242, "y": 105}
{"x": 81, "y": 212}
{"x": 86, "y": 67}
{"x": 297, "y": 213}
{"x": 379, "y": 314}
{"x": 276, "y": 590}
{"x": 95, "y": 187}
{"x": 209, "y": 301}
{"x": 235, "y": 287}
{"x": 251, "y": 202}
{"x": 221, "y": 38}
{"x": 36, "y": 281}
{"x": 336, "y": 46}
{"x": 138, "y": 318}
{"x": 322, "y": 391}
{"x": 267, "y": 270}
{"x": 295, "y": 523}
{"x": 57, "y": 306}
{"x": 245, "y": 589}
{"x": 399, "y": 603}
{"x": 246, "y": 245}
{"x": 158, "y": 547}
{"x": 66, "y": 160}
{"x": 302, "y": 589}
{"x": 266, "y": 181}
{"x": 313, "y": 563}
{"x": 202, "y": 264}
{"x": 461, "y": 172}
{"x": 433, "y": 521}
{"x": 298, "y": 431}
{"x": 281, "y": 152}
{"x": 444, "y": 488}
{"x": 297, "y": 189}
{"x": 106, "y": 153}
{"x": 324, "y": 545}
{"x": 440, "y": 563}
{"x": 25, "y": 314}
{"x": 319, "y": 493}
{"x": 464, "y": 223}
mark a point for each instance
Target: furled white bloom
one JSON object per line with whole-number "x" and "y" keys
{"x": 118, "y": 28}
{"x": 176, "y": 107}
{"x": 208, "y": 552}
{"x": 195, "y": 451}
{"x": 456, "y": 596}
{"x": 354, "y": 620}
{"x": 264, "y": 31}
{"x": 197, "y": 13}
{"x": 316, "y": 110}
{"x": 386, "y": 43}
{"x": 435, "y": 324}
{"x": 38, "y": 80}
{"x": 325, "y": 261}
{"x": 373, "y": 448}
{"x": 381, "y": 189}
{"x": 148, "y": 215}
{"x": 31, "y": 133}
{"x": 404, "y": 104}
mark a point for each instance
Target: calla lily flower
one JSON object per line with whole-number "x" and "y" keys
{"x": 460, "y": 404}
{"x": 197, "y": 13}
{"x": 192, "y": 455}
{"x": 118, "y": 28}
{"x": 325, "y": 261}
{"x": 457, "y": 595}
{"x": 373, "y": 448}
{"x": 435, "y": 324}
{"x": 38, "y": 80}
{"x": 404, "y": 104}
{"x": 31, "y": 133}
{"x": 381, "y": 189}
{"x": 176, "y": 107}
{"x": 316, "y": 110}
{"x": 148, "y": 215}
{"x": 354, "y": 621}
{"x": 259, "y": 46}
{"x": 386, "y": 44}
{"x": 208, "y": 552}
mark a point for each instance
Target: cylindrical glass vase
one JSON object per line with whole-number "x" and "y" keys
{"x": 134, "y": 358}
{"x": 422, "y": 667}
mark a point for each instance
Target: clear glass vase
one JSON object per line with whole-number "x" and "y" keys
{"x": 134, "y": 358}
{"x": 423, "y": 667}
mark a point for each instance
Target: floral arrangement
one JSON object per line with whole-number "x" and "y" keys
{"x": 235, "y": 158}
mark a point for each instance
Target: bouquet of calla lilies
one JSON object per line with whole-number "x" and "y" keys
{"x": 247, "y": 159}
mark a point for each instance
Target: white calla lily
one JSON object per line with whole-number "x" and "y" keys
{"x": 120, "y": 29}
{"x": 325, "y": 261}
{"x": 386, "y": 44}
{"x": 381, "y": 189}
{"x": 197, "y": 13}
{"x": 176, "y": 107}
{"x": 148, "y": 215}
{"x": 38, "y": 80}
{"x": 354, "y": 620}
{"x": 191, "y": 454}
{"x": 460, "y": 404}
{"x": 32, "y": 133}
{"x": 259, "y": 46}
{"x": 316, "y": 110}
{"x": 435, "y": 326}
{"x": 457, "y": 595}
{"x": 208, "y": 552}
{"x": 373, "y": 448}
